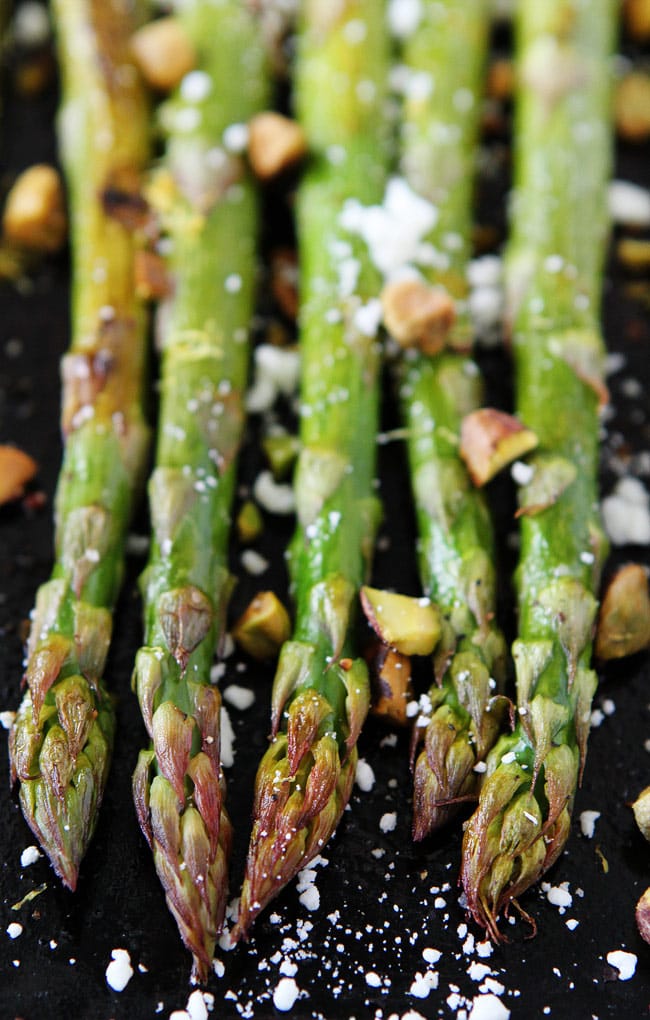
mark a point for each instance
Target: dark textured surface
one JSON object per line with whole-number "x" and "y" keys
{"x": 377, "y": 912}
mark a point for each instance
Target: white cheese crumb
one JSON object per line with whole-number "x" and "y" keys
{"x": 29, "y": 856}
{"x": 596, "y": 718}
{"x": 240, "y": 698}
{"x": 310, "y": 898}
{"x": 367, "y": 318}
{"x": 388, "y": 821}
{"x": 430, "y": 955}
{"x": 253, "y": 562}
{"x": 558, "y": 895}
{"x": 119, "y": 971}
{"x": 7, "y": 719}
{"x": 488, "y": 1007}
{"x": 522, "y": 473}
{"x": 508, "y": 758}
{"x": 403, "y": 17}
{"x": 14, "y": 930}
{"x": 364, "y": 777}
{"x": 608, "y": 706}
{"x": 285, "y": 994}
{"x": 394, "y": 230}
{"x": 233, "y": 283}
{"x": 31, "y": 25}
{"x": 280, "y": 365}
{"x": 235, "y": 138}
{"x": 629, "y": 204}
{"x": 625, "y": 963}
{"x": 276, "y": 497}
{"x": 588, "y": 821}
{"x": 423, "y": 983}
{"x": 227, "y": 742}
{"x": 484, "y": 949}
{"x": 195, "y": 86}
{"x": 373, "y": 979}
{"x": 626, "y": 513}
{"x": 197, "y": 1008}
{"x": 477, "y": 971}
{"x": 486, "y": 271}
{"x": 572, "y": 924}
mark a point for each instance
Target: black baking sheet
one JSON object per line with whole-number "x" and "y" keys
{"x": 383, "y": 901}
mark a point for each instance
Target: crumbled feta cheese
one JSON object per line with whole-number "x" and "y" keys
{"x": 588, "y": 821}
{"x": 195, "y": 86}
{"x": 235, "y": 138}
{"x": 29, "y": 856}
{"x": 253, "y": 562}
{"x": 14, "y": 930}
{"x": 227, "y": 741}
{"x": 388, "y": 821}
{"x": 522, "y": 473}
{"x": 488, "y": 1007}
{"x": 486, "y": 271}
{"x": 624, "y": 963}
{"x": 285, "y": 994}
{"x": 626, "y": 513}
{"x": 364, "y": 777}
{"x": 373, "y": 979}
{"x": 629, "y": 204}
{"x": 240, "y": 698}
{"x": 276, "y": 497}
{"x": 404, "y": 17}
{"x": 197, "y": 1007}
{"x": 7, "y": 719}
{"x": 31, "y": 25}
{"x": 394, "y": 230}
{"x": 119, "y": 971}
{"x": 558, "y": 895}
{"x": 423, "y": 983}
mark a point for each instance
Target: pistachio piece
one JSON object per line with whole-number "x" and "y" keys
{"x": 624, "y": 621}
{"x": 490, "y": 440}
{"x": 417, "y": 314}
{"x": 408, "y": 625}
{"x": 275, "y": 143}
{"x": 263, "y": 627}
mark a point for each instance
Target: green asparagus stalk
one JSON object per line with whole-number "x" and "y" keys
{"x": 554, "y": 277}
{"x": 320, "y": 694}
{"x": 208, "y": 207}
{"x": 438, "y": 158}
{"x": 61, "y": 742}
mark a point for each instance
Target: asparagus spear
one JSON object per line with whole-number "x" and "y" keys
{"x": 320, "y": 694}
{"x": 62, "y": 738}
{"x": 208, "y": 206}
{"x": 554, "y": 275}
{"x": 438, "y": 150}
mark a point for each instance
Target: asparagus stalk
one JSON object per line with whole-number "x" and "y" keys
{"x": 554, "y": 276}
{"x": 438, "y": 154}
{"x": 62, "y": 738}
{"x": 208, "y": 206}
{"x": 320, "y": 694}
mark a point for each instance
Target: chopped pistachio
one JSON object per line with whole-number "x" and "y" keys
{"x": 637, "y": 18}
{"x": 34, "y": 215}
{"x": 490, "y": 440}
{"x": 16, "y": 469}
{"x": 275, "y": 143}
{"x": 281, "y": 452}
{"x": 410, "y": 626}
{"x": 624, "y": 622}
{"x": 249, "y": 522}
{"x": 632, "y": 106}
{"x": 393, "y": 688}
{"x": 417, "y": 314}
{"x": 263, "y": 627}
{"x": 163, "y": 52}
{"x": 641, "y": 808}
